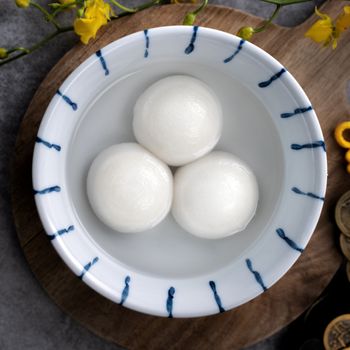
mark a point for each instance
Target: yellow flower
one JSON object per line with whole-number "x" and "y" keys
{"x": 325, "y": 31}
{"x": 343, "y": 21}
{"x": 22, "y": 3}
{"x": 246, "y": 33}
{"x": 96, "y": 14}
{"x": 322, "y": 30}
{"x": 3, "y": 53}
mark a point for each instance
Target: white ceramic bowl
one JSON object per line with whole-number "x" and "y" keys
{"x": 268, "y": 122}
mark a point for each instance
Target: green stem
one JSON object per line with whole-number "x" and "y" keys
{"x": 22, "y": 49}
{"x": 37, "y": 46}
{"x": 269, "y": 20}
{"x": 143, "y": 7}
{"x": 122, "y": 7}
{"x": 64, "y": 6}
{"x": 47, "y": 15}
{"x": 60, "y": 30}
{"x": 201, "y": 7}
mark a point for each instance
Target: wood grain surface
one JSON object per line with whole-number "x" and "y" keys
{"x": 323, "y": 74}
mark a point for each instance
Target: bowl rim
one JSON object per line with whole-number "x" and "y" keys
{"x": 165, "y": 307}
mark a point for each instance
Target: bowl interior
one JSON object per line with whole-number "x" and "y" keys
{"x": 268, "y": 122}
{"x": 167, "y": 250}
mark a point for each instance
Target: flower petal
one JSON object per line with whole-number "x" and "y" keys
{"x": 96, "y": 14}
{"x": 322, "y": 15}
{"x": 86, "y": 28}
{"x": 320, "y": 31}
{"x": 343, "y": 21}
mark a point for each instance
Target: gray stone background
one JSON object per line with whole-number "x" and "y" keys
{"x": 28, "y": 318}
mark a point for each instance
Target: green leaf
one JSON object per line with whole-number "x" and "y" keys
{"x": 285, "y": 2}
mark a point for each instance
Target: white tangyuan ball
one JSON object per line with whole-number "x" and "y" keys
{"x": 178, "y": 118}
{"x": 129, "y": 189}
{"x": 215, "y": 196}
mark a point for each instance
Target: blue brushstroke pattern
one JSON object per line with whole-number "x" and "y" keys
{"x": 216, "y": 296}
{"x": 315, "y": 144}
{"x": 189, "y": 49}
{"x": 239, "y": 48}
{"x": 68, "y": 100}
{"x": 147, "y": 43}
{"x": 266, "y": 83}
{"x": 169, "y": 302}
{"x": 61, "y": 232}
{"x": 48, "y": 190}
{"x": 309, "y": 194}
{"x": 103, "y": 61}
{"x": 289, "y": 241}
{"x": 87, "y": 267}
{"x": 47, "y": 144}
{"x": 256, "y": 274}
{"x": 125, "y": 292}
{"x": 296, "y": 112}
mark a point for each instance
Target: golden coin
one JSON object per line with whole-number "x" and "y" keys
{"x": 345, "y": 245}
{"x": 348, "y": 270}
{"x": 337, "y": 333}
{"x": 342, "y": 213}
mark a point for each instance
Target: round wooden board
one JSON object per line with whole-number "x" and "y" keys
{"x": 322, "y": 73}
